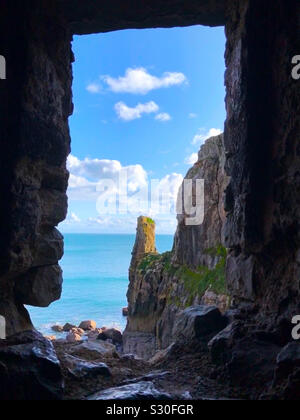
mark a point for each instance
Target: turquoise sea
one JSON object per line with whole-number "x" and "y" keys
{"x": 95, "y": 281}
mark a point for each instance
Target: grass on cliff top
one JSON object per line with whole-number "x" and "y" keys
{"x": 150, "y": 221}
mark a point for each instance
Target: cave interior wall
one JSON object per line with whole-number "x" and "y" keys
{"x": 261, "y": 139}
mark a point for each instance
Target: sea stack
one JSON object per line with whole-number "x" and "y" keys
{"x": 144, "y": 242}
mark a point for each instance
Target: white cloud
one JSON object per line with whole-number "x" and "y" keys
{"x": 192, "y": 159}
{"x": 164, "y": 116}
{"x": 139, "y": 81}
{"x": 72, "y": 219}
{"x": 200, "y": 138}
{"x": 75, "y": 218}
{"x": 193, "y": 115}
{"x": 88, "y": 181}
{"x": 86, "y": 176}
{"x": 94, "y": 88}
{"x": 127, "y": 113}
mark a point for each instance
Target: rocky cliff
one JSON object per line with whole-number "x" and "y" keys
{"x": 162, "y": 286}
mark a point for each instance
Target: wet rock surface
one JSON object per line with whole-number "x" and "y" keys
{"x": 138, "y": 391}
{"x": 29, "y": 369}
{"x": 81, "y": 368}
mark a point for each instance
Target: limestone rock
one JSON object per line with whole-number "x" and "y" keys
{"x": 145, "y": 241}
{"x": 163, "y": 285}
{"x": 161, "y": 355}
{"x": 88, "y": 325}
{"x": 252, "y": 362}
{"x": 68, "y": 327}
{"x": 50, "y": 337}
{"x": 93, "y": 334}
{"x": 221, "y": 344}
{"x": 29, "y": 369}
{"x": 83, "y": 369}
{"x": 143, "y": 344}
{"x": 40, "y": 286}
{"x": 111, "y": 334}
{"x": 198, "y": 322}
{"x": 73, "y": 337}
{"x": 287, "y": 361}
{"x": 211, "y": 298}
{"x": 49, "y": 248}
{"x": 57, "y": 328}
{"x": 138, "y": 391}
{"x": 95, "y": 349}
{"x": 210, "y": 167}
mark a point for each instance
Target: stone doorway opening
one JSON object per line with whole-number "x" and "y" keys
{"x": 98, "y": 89}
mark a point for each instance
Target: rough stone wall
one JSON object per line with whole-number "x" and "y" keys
{"x": 263, "y": 156}
{"x": 35, "y": 103}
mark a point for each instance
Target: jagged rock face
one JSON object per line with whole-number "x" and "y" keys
{"x": 263, "y": 157}
{"x": 162, "y": 285}
{"x": 35, "y": 104}
{"x": 192, "y": 242}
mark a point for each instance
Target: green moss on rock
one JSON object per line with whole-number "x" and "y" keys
{"x": 148, "y": 261}
{"x": 195, "y": 281}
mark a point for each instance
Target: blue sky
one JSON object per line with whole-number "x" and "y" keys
{"x": 145, "y": 100}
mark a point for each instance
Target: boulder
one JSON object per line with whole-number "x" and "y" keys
{"x": 253, "y": 363}
{"x": 142, "y": 344}
{"x": 161, "y": 355}
{"x": 73, "y": 337}
{"x": 29, "y": 369}
{"x": 78, "y": 331}
{"x": 198, "y": 322}
{"x": 57, "y": 328}
{"x": 95, "y": 349}
{"x": 88, "y": 325}
{"x": 50, "y": 337}
{"x": 83, "y": 369}
{"x": 111, "y": 334}
{"x": 93, "y": 334}
{"x": 125, "y": 311}
{"x": 287, "y": 361}
{"x": 221, "y": 344}
{"x": 68, "y": 327}
{"x": 139, "y": 391}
